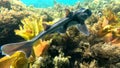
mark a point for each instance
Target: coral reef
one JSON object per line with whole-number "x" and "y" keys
{"x": 5, "y": 3}
{"x": 101, "y": 49}
{"x": 9, "y": 20}
{"x": 107, "y": 27}
{"x": 107, "y": 55}
{"x": 61, "y": 61}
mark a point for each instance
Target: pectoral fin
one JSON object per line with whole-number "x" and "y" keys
{"x": 61, "y": 30}
{"x": 82, "y": 28}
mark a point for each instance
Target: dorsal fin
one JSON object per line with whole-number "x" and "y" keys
{"x": 46, "y": 26}
{"x": 67, "y": 11}
{"x": 69, "y": 14}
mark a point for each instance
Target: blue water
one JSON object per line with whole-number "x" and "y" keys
{"x": 48, "y": 3}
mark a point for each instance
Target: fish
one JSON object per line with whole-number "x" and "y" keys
{"x": 78, "y": 16}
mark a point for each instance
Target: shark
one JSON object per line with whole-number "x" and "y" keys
{"x": 78, "y": 16}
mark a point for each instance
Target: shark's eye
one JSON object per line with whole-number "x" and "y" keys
{"x": 89, "y": 13}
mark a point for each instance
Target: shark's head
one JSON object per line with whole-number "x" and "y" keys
{"x": 80, "y": 16}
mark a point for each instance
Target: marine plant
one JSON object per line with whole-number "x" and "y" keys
{"x": 108, "y": 26}
{"x": 39, "y": 55}
{"x": 40, "y": 47}
{"x": 31, "y": 27}
{"x": 9, "y": 20}
{"x": 17, "y": 60}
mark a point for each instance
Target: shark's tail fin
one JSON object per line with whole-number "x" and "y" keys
{"x": 9, "y": 49}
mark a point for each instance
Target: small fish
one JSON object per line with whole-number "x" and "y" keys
{"x": 78, "y": 17}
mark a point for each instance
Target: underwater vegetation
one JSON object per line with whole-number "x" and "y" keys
{"x": 101, "y": 49}
{"x": 17, "y": 60}
{"x": 31, "y": 27}
{"x": 107, "y": 26}
{"x": 10, "y": 18}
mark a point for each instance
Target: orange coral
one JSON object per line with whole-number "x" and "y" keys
{"x": 40, "y": 47}
{"x": 108, "y": 37}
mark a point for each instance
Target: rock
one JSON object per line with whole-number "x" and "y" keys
{"x": 106, "y": 51}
